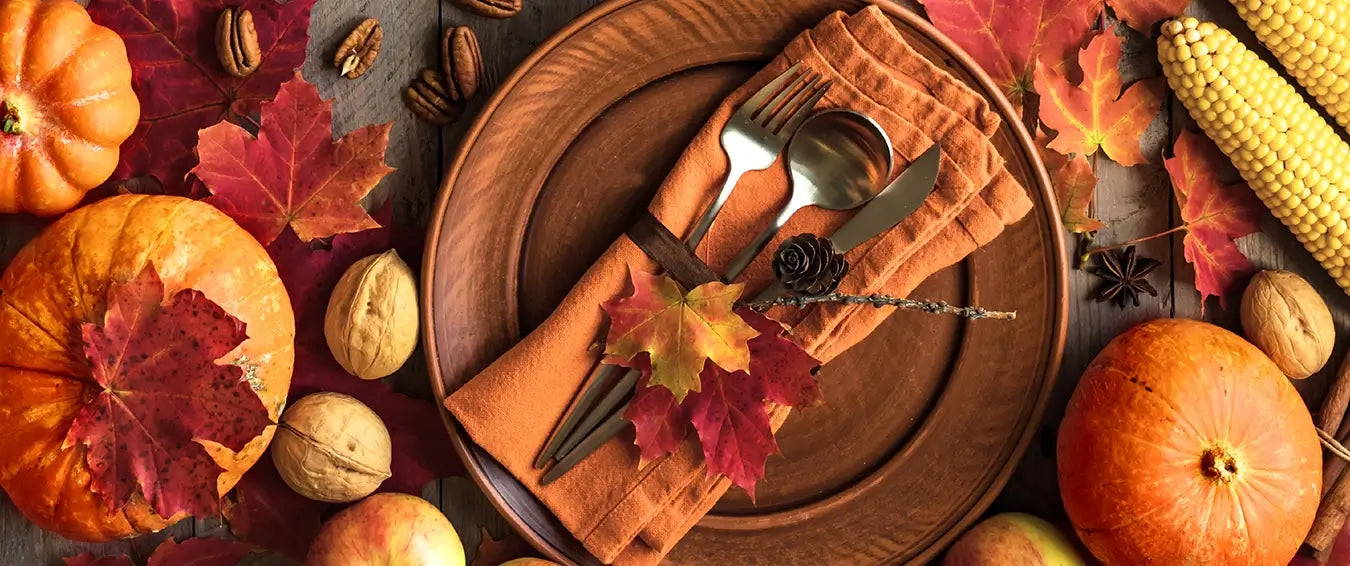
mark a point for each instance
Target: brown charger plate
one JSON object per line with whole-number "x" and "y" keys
{"x": 925, "y": 419}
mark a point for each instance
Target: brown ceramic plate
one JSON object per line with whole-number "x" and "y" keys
{"x": 925, "y": 419}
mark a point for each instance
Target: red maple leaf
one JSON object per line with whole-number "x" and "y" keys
{"x": 1095, "y": 114}
{"x": 732, "y": 421}
{"x": 660, "y": 421}
{"x": 787, "y": 372}
{"x": 88, "y": 559}
{"x": 199, "y": 552}
{"x": 1008, "y": 37}
{"x": 310, "y": 271}
{"x": 265, "y": 512}
{"x": 180, "y": 82}
{"x": 293, "y": 173}
{"x": 1075, "y": 187}
{"x": 161, "y": 392}
{"x": 1213, "y": 214}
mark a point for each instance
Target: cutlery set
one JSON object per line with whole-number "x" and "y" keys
{"x": 838, "y": 160}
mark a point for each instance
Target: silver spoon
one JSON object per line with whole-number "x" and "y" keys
{"x": 839, "y": 159}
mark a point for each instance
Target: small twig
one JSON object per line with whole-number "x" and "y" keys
{"x": 1095, "y": 251}
{"x": 932, "y": 307}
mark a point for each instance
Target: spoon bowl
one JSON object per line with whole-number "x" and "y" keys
{"x": 839, "y": 160}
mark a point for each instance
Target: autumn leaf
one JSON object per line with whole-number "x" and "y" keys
{"x": 180, "y": 82}
{"x": 293, "y": 173}
{"x": 1214, "y": 215}
{"x": 493, "y": 552}
{"x": 161, "y": 393}
{"x": 1142, "y": 14}
{"x": 679, "y": 331}
{"x": 263, "y": 511}
{"x": 1094, "y": 114}
{"x": 310, "y": 271}
{"x": 660, "y": 421}
{"x": 1075, "y": 187}
{"x": 733, "y": 426}
{"x": 787, "y": 372}
{"x": 1008, "y": 37}
{"x": 88, "y": 559}
{"x": 199, "y": 552}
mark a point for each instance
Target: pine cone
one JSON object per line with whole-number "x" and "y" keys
{"x": 807, "y": 264}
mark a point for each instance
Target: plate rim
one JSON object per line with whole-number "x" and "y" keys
{"x": 1023, "y": 141}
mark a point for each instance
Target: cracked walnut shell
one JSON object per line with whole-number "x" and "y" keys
{"x": 332, "y": 448}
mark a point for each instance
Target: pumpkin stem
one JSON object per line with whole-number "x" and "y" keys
{"x": 9, "y": 120}
{"x": 1216, "y": 463}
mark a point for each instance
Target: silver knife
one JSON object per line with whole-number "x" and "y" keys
{"x": 895, "y": 203}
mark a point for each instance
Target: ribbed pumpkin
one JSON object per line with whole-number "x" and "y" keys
{"x": 61, "y": 280}
{"x": 66, "y": 105}
{"x": 1184, "y": 444}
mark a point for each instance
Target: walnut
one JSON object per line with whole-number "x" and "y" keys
{"x": 332, "y": 448}
{"x": 1285, "y": 317}
{"x": 372, "y": 318}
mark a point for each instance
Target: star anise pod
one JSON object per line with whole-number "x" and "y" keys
{"x": 1124, "y": 275}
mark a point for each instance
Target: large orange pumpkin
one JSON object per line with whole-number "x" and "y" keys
{"x": 1184, "y": 444}
{"x": 66, "y": 105}
{"x": 61, "y": 280}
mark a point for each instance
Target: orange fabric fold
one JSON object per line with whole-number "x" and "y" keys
{"x": 625, "y": 514}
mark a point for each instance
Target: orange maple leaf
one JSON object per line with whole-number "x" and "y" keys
{"x": 1213, "y": 215}
{"x": 1075, "y": 187}
{"x": 680, "y": 331}
{"x": 1008, "y": 37}
{"x": 1094, "y": 114}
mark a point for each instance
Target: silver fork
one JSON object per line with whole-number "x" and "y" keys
{"x": 753, "y": 139}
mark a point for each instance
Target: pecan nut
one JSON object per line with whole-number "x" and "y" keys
{"x": 429, "y": 98}
{"x": 237, "y": 42}
{"x": 462, "y": 62}
{"x": 490, "y": 8}
{"x": 358, "y": 52}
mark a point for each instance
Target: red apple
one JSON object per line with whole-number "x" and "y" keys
{"x": 388, "y": 529}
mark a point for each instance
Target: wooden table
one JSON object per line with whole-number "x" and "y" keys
{"x": 1134, "y": 202}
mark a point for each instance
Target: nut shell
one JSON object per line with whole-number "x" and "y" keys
{"x": 1285, "y": 317}
{"x": 372, "y": 319}
{"x": 360, "y": 49}
{"x": 332, "y": 448}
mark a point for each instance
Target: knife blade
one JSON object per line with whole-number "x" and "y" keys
{"x": 895, "y": 203}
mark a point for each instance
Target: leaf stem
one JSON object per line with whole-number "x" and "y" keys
{"x": 878, "y": 301}
{"x": 249, "y": 119}
{"x": 1101, "y": 249}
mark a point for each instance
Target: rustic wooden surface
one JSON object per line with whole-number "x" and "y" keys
{"x": 1133, "y": 201}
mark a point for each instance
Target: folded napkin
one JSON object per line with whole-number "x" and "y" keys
{"x": 625, "y": 514}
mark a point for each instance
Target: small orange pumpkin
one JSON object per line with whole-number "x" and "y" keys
{"x": 61, "y": 280}
{"x": 1184, "y": 444}
{"x": 66, "y": 105}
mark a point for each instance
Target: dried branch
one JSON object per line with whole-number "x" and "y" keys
{"x": 932, "y": 307}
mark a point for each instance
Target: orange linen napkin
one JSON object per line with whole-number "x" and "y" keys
{"x": 627, "y": 515}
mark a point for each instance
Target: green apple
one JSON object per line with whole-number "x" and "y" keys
{"x": 388, "y": 529}
{"x": 1013, "y": 538}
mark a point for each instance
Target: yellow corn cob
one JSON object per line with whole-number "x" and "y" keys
{"x": 1309, "y": 37}
{"x": 1292, "y": 158}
